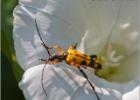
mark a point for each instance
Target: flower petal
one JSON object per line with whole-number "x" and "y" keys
{"x": 55, "y": 30}
{"x": 120, "y": 52}
{"x": 65, "y": 22}
{"x": 63, "y": 82}
{"x": 133, "y": 95}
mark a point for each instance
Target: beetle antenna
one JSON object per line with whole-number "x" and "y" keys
{"x": 47, "y": 49}
{"x": 42, "y": 78}
{"x": 43, "y": 43}
{"x": 93, "y": 88}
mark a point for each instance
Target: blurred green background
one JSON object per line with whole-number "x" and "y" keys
{"x": 10, "y": 70}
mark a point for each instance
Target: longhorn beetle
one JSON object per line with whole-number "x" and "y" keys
{"x": 71, "y": 57}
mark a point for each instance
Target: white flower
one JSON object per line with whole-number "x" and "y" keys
{"x": 108, "y": 28}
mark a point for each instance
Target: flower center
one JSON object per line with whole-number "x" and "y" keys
{"x": 111, "y": 57}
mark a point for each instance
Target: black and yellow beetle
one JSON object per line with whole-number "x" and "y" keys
{"x": 71, "y": 57}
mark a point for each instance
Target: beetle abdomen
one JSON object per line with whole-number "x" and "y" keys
{"x": 76, "y": 58}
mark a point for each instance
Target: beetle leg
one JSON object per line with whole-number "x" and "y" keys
{"x": 59, "y": 49}
{"x": 75, "y": 46}
{"x": 55, "y": 61}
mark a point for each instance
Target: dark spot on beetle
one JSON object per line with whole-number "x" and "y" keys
{"x": 74, "y": 59}
{"x": 85, "y": 55}
{"x": 83, "y": 62}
